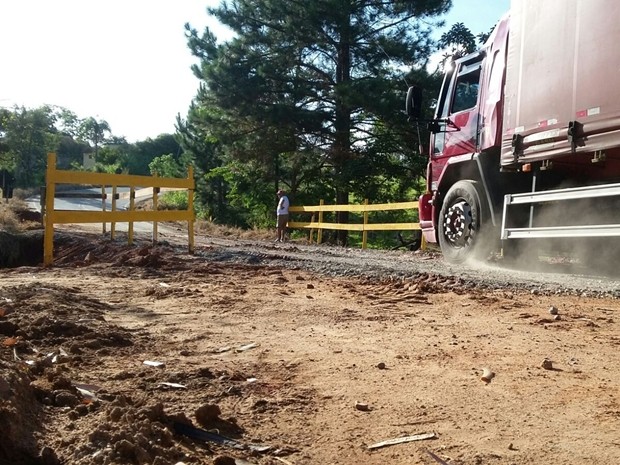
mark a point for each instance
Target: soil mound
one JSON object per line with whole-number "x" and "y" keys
{"x": 21, "y": 249}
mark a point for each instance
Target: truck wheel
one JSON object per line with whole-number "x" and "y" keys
{"x": 461, "y": 222}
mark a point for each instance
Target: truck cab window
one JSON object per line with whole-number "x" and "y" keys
{"x": 459, "y": 92}
{"x": 466, "y": 91}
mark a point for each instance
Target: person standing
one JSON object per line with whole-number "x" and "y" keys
{"x": 282, "y": 213}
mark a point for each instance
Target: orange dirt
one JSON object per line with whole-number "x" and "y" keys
{"x": 316, "y": 368}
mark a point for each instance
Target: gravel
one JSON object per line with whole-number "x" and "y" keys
{"x": 548, "y": 276}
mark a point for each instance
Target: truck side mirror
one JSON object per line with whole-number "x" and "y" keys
{"x": 414, "y": 102}
{"x": 434, "y": 127}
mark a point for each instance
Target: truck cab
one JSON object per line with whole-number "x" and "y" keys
{"x": 465, "y": 132}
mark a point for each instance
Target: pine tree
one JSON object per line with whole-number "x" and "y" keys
{"x": 309, "y": 77}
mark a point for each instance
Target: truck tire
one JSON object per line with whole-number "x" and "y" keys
{"x": 462, "y": 224}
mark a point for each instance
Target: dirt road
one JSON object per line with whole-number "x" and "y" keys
{"x": 286, "y": 354}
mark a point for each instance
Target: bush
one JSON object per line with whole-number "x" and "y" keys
{"x": 16, "y": 216}
{"x": 209, "y": 228}
{"x": 175, "y": 200}
{"x": 23, "y": 194}
{"x": 9, "y": 221}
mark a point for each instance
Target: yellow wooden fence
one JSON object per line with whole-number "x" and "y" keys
{"x": 153, "y": 183}
{"x": 365, "y": 226}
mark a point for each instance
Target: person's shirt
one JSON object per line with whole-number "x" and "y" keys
{"x": 283, "y": 205}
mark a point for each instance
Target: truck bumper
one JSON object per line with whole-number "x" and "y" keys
{"x": 425, "y": 206}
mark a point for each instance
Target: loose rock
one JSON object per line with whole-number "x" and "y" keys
{"x": 547, "y": 364}
{"x": 207, "y": 414}
{"x": 224, "y": 460}
{"x": 362, "y": 407}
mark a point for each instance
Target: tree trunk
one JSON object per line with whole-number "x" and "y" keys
{"x": 342, "y": 198}
{"x": 342, "y": 124}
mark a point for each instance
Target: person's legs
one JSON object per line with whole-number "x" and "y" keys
{"x": 281, "y": 227}
{"x": 284, "y": 231}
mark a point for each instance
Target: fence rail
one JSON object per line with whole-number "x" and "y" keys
{"x": 364, "y": 227}
{"x": 154, "y": 184}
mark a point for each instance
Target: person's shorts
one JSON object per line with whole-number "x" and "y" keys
{"x": 282, "y": 220}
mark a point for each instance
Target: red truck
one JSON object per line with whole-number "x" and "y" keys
{"x": 525, "y": 141}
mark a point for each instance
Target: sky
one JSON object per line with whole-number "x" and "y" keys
{"x": 125, "y": 61}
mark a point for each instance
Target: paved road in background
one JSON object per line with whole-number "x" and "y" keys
{"x": 94, "y": 204}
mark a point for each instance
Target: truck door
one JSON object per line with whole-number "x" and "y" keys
{"x": 457, "y": 112}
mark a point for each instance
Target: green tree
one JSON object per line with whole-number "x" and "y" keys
{"x": 94, "y": 131}
{"x": 142, "y": 153}
{"x": 195, "y": 134}
{"x": 70, "y": 152}
{"x": 6, "y": 159}
{"x": 460, "y": 41}
{"x": 67, "y": 122}
{"x": 166, "y": 166}
{"x": 27, "y": 136}
{"x": 483, "y": 36}
{"x": 112, "y": 157}
{"x": 308, "y": 77}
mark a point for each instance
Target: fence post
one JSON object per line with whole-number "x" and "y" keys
{"x": 364, "y": 232}
{"x": 190, "y": 207}
{"x": 112, "y": 224}
{"x": 311, "y": 230}
{"x": 319, "y": 234}
{"x": 132, "y": 202}
{"x": 50, "y": 193}
{"x": 155, "y": 206}
{"x": 103, "y": 207}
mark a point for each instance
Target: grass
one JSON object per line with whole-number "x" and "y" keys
{"x": 9, "y": 221}
{"x": 15, "y": 216}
